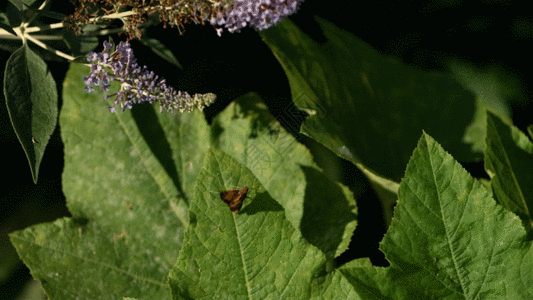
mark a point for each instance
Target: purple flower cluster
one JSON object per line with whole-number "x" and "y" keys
{"x": 137, "y": 84}
{"x": 260, "y": 14}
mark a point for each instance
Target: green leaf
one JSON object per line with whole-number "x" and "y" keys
{"x": 8, "y": 256}
{"x": 509, "y": 162}
{"x": 17, "y": 4}
{"x": 161, "y": 50}
{"x": 14, "y": 12}
{"x": 476, "y": 131}
{"x": 448, "y": 239}
{"x": 31, "y": 99}
{"x": 50, "y": 14}
{"x": 135, "y": 154}
{"x": 334, "y": 285}
{"x": 22, "y": 4}
{"x": 81, "y": 44}
{"x": 248, "y": 132}
{"x": 255, "y": 254}
{"x": 366, "y": 107}
{"x": 4, "y": 20}
{"x": 492, "y": 85}
{"x": 131, "y": 176}
{"x": 96, "y": 260}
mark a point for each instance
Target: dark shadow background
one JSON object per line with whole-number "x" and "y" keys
{"x": 491, "y": 36}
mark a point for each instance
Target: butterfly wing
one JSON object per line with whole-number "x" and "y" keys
{"x": 234, "y": 198}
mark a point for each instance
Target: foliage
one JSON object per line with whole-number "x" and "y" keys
{"x": 144, "y": 187}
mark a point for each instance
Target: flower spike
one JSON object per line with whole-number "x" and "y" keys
{"x": 138, "y": 85}
{"x": 259, "y": 14}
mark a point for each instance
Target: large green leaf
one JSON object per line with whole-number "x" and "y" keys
{"x": 31, "y": 100}
{"x": 335, "y": 285}
{"x": 509, "y": 161}
{"x": 448, "y": 239}
{"x": 366, "y": 107}
{"x": 255, "y": 254}
{"x": 248, "y": 132}
{"x": 78, "y": 260}
{"x": 128, "y": 179}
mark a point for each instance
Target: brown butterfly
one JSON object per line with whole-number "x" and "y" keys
{"x": 234, "y": 198}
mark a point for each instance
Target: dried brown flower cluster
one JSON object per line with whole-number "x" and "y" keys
{"x": 133, "y": 13}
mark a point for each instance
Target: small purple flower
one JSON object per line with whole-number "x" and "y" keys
{"x": 259, "y": 14}
{"x": 92, "y": 56}
{"x": 107, "y": 46}
{"x": 89, "y": 88}
{"x": 137, "y": 84}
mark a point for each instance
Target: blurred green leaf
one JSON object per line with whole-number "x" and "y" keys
{"x": 509, "y": 162}
{"x": 493, "y": 86}
{"x": 365, "y": 107}
{"x": 448, "y": 239}
{"x": 8, "y": 256}
{"x": 255, "y": 254}
{"x": 161, "y": 50}
{"x": 44, "y": 12}
{"x": 4, "y": 21}
{"x": 22, "y": 3}
{"x": 31, "y": 99}
{"x": 476, "y": 131}
{"x": 14, "y": 12}
{"x": 80, "y": 45}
